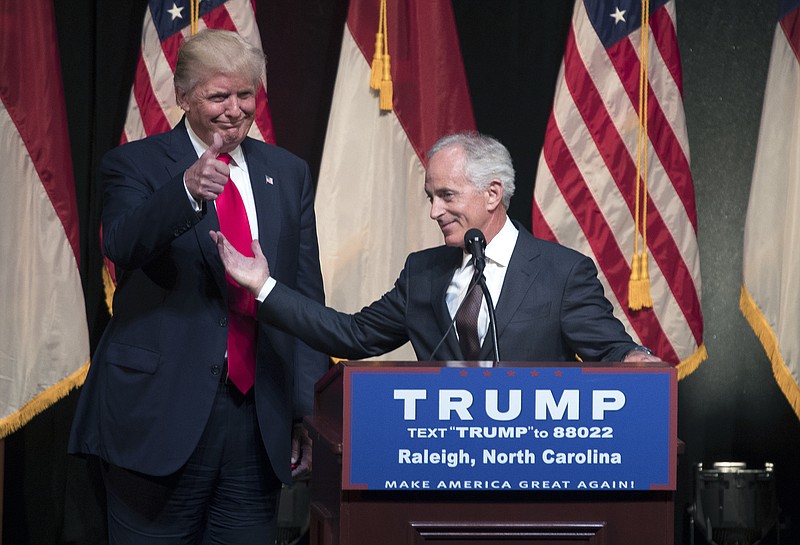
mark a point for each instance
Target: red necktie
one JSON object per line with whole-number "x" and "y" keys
{"x": 241, "y": 304}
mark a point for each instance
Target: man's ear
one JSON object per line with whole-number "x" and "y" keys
{"x": 181, "y": 99}
{"x": 494, "y": 195}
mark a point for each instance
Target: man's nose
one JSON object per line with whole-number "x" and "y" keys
{"x": 436, "y": 209}
{"x": 232, "y": 106}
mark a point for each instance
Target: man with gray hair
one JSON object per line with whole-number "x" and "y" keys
{"x": 190, "y": 401}
{"x": 550, "y": 304}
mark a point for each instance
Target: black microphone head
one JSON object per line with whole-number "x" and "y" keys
{"x": 474, "y": 241}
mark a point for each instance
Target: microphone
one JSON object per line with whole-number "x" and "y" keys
{"x": 475, "y": 243}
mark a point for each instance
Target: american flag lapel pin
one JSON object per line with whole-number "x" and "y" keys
{"x": 269, "y": 179}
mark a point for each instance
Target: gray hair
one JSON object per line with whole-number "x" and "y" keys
{"x": 211, "y": 52}
{"x": 486, "y": 160}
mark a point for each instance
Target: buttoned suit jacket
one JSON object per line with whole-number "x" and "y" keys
{"x": 157, "y": 367}
{"x": 551, "y": 308}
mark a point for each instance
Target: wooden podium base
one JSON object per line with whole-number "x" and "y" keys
{"x": 367, "y": 519}
{"x": 347, "y": 517}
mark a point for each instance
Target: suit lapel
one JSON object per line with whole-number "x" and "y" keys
{"x": 180, "y": 150}
{"x": 440, "y": 280}
{"x": 265, "y": 194}
{"x": 523, "y": 269}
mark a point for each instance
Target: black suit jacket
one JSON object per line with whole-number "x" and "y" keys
{"x": 551, "y": 308}
{"x": 156, "y": 369}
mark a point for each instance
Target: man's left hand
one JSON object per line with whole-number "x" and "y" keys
{"x": 639, "y": 356}
{"x": 301, "y": 452}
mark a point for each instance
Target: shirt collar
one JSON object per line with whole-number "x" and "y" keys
{"x": 501, "y": 247}
{"x": 200, "y": 148}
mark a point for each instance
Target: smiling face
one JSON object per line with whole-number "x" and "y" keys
{"x": 224, "y": 104}
{"x": 456, "y": 204}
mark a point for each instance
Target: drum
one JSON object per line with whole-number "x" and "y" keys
{"x": 734, "y": 505}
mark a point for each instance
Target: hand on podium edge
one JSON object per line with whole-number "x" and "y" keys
{"x": 641, "y": 356}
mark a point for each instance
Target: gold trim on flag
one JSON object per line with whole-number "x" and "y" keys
{"x": 758, "y": 322}
{"x": 42, "y": 401}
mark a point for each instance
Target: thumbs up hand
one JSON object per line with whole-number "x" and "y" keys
{"x": 206, "y": 178}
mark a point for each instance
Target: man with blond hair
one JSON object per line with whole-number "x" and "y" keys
{"x": 190, "y": 402}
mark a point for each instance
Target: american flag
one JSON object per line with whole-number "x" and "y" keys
{"x": 585, "y": 192}
{"x": 152, "y": 108}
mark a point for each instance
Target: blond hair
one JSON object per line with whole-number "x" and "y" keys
{"x": 211, "y": 52}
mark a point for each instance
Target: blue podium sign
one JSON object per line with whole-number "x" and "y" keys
{"x": 509, "y": 428}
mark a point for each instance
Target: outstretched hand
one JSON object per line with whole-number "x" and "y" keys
{"x": 249, "y": 272}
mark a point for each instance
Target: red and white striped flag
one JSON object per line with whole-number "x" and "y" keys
{"x": 44, "y": 339}
{"x": 371, "y": 206}
{"x": 586, "y": 186}
{"x": 152, "y": 108}
{"x": 771, "y": 262}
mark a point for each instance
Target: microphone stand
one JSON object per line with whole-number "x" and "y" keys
{"x": 480, "y": 264}
{"x": 492, "y": 319}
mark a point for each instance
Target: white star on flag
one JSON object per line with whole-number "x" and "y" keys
{"x": 618, "y": 15}
{"x": 175, "y": 11}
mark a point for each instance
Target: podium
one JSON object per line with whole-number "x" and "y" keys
{"x": 470, "y": 452}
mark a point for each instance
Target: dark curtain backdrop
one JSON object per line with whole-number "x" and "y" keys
{"x": 729, "y": 409}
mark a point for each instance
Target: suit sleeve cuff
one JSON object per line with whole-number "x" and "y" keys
{"x": 198, "y": 207}
{"x": 266, "y": 289}
{"x": 640, "y": 348}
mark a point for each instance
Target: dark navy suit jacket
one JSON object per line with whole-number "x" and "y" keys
{"x": 551, "y": 308}
{"x": 155, "y": 372}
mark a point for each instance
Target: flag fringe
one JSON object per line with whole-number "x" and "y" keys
{"x": 758, "y": 322}
{"x": 108, "y": 288}
{"x": 690, "y": 364}
{"x": 42, "y": 401}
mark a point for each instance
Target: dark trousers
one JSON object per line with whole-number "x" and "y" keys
{"x": 226, "y": 493}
